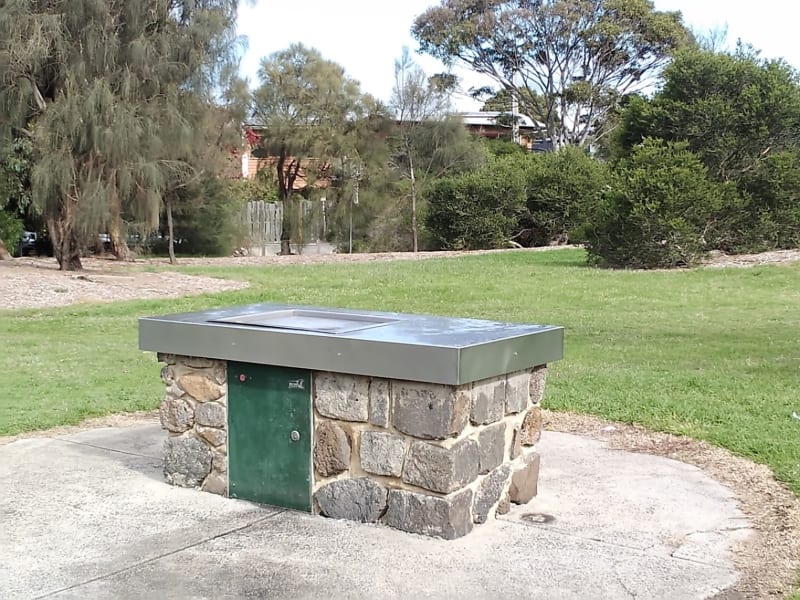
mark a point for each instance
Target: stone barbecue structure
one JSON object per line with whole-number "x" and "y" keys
{"x": 433, "y": 455}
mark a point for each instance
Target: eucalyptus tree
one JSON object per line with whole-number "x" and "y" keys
{"x": 101, "y": 88}
{"x": 308, "y": 110}
{"x": 565, "y": 61}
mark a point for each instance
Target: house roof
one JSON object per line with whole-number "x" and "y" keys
{"x": 489, "y": 119}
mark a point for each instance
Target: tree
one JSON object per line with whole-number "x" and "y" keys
{"x": 734, "y": 110}
{"x": 417, "y": 101}
{"x": 429, "y": 142}
{"x": 740, "y": 115}
{"x": 307, "y": 107}
{"x": 15, "y": 190}
{"x": 100, "y": 89}
{"x": 566, "y": 61}
{"x": 660, "y": 210}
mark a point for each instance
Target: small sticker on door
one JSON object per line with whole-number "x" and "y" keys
{"x": 297, "y": 384}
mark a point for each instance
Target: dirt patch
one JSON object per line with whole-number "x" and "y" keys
{"x": 37, "y": 283}
{"x": 768, "y": 561}
{"x": 720, "y": 259}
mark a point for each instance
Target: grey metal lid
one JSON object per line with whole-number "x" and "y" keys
{"x": 392, "y": 345}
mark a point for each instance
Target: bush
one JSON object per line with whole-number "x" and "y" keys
{"x": 561, "y": 186}
{"x": 660, "y": 210}
{"x": 769, "y": 215}
{"x": 476, "y": 210}
{"x": 206, "y": 219}
{"x": 10, "y": 230}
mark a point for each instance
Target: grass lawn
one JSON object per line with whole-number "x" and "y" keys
{"x": 713, "y": 354}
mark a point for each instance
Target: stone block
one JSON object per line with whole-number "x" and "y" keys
{"x": 214, "y": 436}
{"x": 489, "y": 493}
{"x": 382, "y": 453}
{"x": 525, "y": 480}
{"x": 219, "y": 372}
{"x": 538, "y": 379}
{"x": 211, "y": 414}
{"x": 331, "y": 449}
{"x": 492, "y": 446}
{"x": 516, "y": 445}
{"x": 187, "y": 461}
{"x": 216, "y": 483}
{"x": 200, "y": 386}
{"x": 440, "y": 469}
{"x": 219, "y": 463}
{"x": 198, "y": 362}
{"x": 379, "y": 402}
{"x": 531, "y": 429}
{"x": 176, "y": 415}
{"x": 341, "y": 396}
{"x": 447, "y": 517}
{"x": 517, "y": 392}
{"x": 360, "y": 499}
{"x": 168, "y": 375}
{"x": 169, "y": 359}
{"x": 488, "y": 401}
{"x": 429, "y": 411}
{"x": 504, "y": 506}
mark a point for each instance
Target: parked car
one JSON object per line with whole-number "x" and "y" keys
{"x": 27, "y": 243}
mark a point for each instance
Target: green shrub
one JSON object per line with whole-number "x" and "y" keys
{"x": 769, "y": 215}
{"x": 10, "y": 230}
{"x": 660, "y": 210}
{"x": 206, "y": 219}
{"x": 476, "y": 210}
{"x": 561, "y": 187}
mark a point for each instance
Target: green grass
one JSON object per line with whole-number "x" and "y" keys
{"x": 713, "y": 354}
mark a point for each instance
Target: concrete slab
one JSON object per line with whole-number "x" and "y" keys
{"x": 87, "y": 516}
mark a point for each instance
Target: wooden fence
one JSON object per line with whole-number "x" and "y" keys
{"x": 262, "y": 221}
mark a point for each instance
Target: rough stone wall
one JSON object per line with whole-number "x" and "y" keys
{"x": 194, "y": 412}
{"x": 425, "y": 458}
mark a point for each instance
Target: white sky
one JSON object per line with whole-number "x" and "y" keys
{"x": 366, "y": 36}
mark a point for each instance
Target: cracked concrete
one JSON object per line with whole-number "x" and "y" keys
{"x": 88, "y": 516}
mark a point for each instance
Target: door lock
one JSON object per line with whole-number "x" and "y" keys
{"x": 295, "y": 436}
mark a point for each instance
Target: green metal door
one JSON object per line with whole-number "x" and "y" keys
{"x": 269, "y": 429}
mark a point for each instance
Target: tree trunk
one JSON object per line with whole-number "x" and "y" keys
{"x": 4, "y": 254}
{"x": 414, "y": 235}
{"x": 65, "y": 245}
{"x": 170, "y": 237}
{"x": 119, "y": 246}
{"x": 285, "y": 194}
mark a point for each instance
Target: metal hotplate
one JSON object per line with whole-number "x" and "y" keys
{"x": 308, "y": 320}
{"x": 391, "y": 345}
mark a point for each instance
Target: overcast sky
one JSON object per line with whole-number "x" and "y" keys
{"x": 366, "y": 36}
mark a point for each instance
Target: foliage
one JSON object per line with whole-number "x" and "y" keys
{"x": 15, "y": 190}
{"x": 307, "y": 107}
{"x": 16, "y": 162}
{"x": 10, "y": 230}
{"x": 741, "y": 116}
{"x": 101, "y": 87}
{"x": 769, "y": 214}
{"x": 421, "y": 105}
{"x": 477, "y": 209}
{"x": 208, "y": 222}
{"x": 734, "y": 110}
{"x": 562, "y": 187}
{"x": 567, "y": 61}
{"x": 660, "y": 210}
